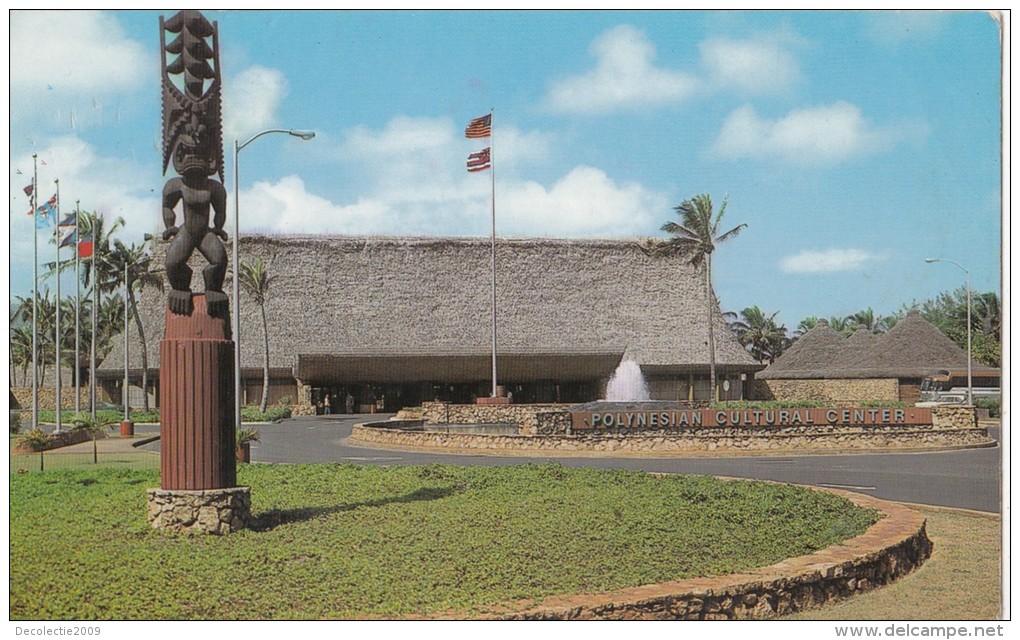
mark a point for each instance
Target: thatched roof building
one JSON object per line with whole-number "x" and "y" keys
{"x": 415, "y": 314}
{"x": 904, "y": 356}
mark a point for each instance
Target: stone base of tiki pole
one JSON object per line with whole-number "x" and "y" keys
{"x": 198, "y": 464}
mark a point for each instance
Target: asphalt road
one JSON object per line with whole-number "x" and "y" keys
{"x": 969, "y": 478}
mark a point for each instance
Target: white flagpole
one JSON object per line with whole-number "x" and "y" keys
{"x": 95, "y": 314}
{"x": 127, "y": 407}
{"x": 77, "y": 312}
{"x": 492, "y": 165}
{"x": 35, "y": 294}
{"x": 56, "y": 331}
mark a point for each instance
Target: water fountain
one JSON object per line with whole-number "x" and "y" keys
{"x": 627, "y": 384}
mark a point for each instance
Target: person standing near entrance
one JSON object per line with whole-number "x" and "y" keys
{"x": 325, "y": 405}
{"x": 350, "y": 403}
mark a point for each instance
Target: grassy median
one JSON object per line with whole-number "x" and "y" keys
{"x": 343, "y": 541}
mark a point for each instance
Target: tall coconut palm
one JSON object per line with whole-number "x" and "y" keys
{"x": 694, "y": 239}
{"x": 255, "y": 280}
{"x": 21, "y": 352}
{"x": 140, "y": 274}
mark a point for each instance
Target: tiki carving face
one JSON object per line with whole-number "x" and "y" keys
{"x": 193, "y": 139}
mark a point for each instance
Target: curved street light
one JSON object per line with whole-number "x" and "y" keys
{"x": 304, "y": 134}
{"x": 970, "y": 380}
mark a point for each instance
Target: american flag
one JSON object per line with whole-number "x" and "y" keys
{"x": 479, "y": 127}
{"x": 479, "y": 161}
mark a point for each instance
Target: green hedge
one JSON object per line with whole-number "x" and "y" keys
{"x": 994, "y": 406}
{"x": 272, "y": 414}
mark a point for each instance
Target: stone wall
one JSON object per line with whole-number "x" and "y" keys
{"x": 954, "y": 427}
{"x": 894, "y": 546}
{"x": 48, "y": 397}
{"x": 525, "y": 415}
{"x": 954, "y": 417}
{"x": 215, "y": 511}
{"x": 836, "y": 391}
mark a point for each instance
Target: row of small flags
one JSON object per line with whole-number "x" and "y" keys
{"x": 479, "y": 128}
{"x": 46, "y": 215}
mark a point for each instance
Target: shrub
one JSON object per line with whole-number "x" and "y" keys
{"x": 286, "y": 401}
{"x": 15, "y": 422}
{"x": 34, "y": 439}
{"x": 994, "y": 406}
{"x": 272, "y": 414}
{"x": 247, "y": 435}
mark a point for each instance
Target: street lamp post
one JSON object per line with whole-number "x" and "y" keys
{"x": 297, "y": 133}
{"x": 970, "y": 379}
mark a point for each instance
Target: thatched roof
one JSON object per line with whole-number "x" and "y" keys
{"x": 809, "y": 357}
{"x": 914, "y": 348}
{"x": 392, "y": 295}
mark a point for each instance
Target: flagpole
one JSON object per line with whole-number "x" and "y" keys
{"x": 492, "y": 164}
{"x": 95, "y": 315}
{"x": 35, "y": 293}
{"x": 77, "y": 312}
{"x": 56, "y": 331}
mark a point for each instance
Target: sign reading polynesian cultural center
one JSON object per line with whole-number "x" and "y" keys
{"x": 653, "y": 420}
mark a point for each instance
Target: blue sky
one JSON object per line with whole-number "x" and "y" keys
{"x": 853, "y": 144}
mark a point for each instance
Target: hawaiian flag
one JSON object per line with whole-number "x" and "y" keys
{"x": 85, "y": 248}
{"x": 479, "y": 127}
{"x": 479, "y": 161}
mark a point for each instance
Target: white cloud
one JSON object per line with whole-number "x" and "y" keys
{"x": 828, "y": 261}
{"x": 103, "y": 184}
{"x": 73, "y": 50}
{"x": 827, "y": 133}
{"x": 624, "y": 77}
{"x": 749, "y": 66}
{"x": 411, "y": 180}
{"x": 250, "y": 101}
{"x": 584, "y": 203}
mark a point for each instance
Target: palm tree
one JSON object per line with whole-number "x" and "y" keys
{"x": 21, "y": 352}
{"x": 694, "y": 239}
{"x": 255, "y": 280}
{"x": 760, "y": 334}
{"x": 807, "y": 324}
{"x": 841, "y": 325}
{"x": 140, "y": 274}
{"x": 867, "y": 319}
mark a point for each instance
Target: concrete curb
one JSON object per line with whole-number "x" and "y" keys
{"x": 894, "y": 546}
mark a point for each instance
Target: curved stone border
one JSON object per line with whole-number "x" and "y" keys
{"x": 894, "y": 546}
{"x": 409, "y": 435}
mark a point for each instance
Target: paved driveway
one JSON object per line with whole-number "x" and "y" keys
{"x": 967, "y": 479}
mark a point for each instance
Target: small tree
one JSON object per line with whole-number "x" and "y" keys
{"x": 255, "y": 280}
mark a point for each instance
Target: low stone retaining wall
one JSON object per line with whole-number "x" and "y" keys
{"x": 953, "y": 429}
{"x": 834, "y": 391}
{"x": 894, "y": 546}
{"x": 526, "y": 415}
{"x": 48, "y": 397}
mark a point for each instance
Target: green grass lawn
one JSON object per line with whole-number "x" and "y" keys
{"x": 343, "y": 541}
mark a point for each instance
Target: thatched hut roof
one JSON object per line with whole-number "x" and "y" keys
{"x": 914, "y": 348}
{"x": 372, "y": 296}
{"x": 809, "y": 357}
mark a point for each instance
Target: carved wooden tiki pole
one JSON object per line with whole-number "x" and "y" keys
{"x": 197, "y": 351}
